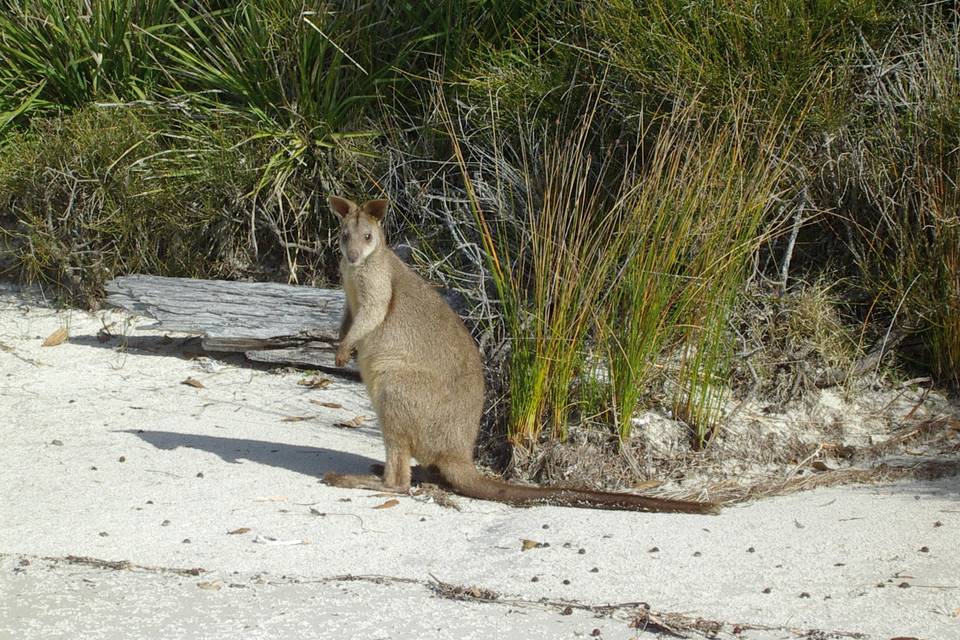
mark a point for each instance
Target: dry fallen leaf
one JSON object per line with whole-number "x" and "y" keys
{"x": 647, "y": 484}
{"x": 526, "y": 545}
{"x": 388, "y": 504}
{"x": 55, "y": 338}
{"x": 351, "y": 424}
{"x": 315, "y": 382}
{"x": 297, "y": 418}
{"x": 328, "y": 405}
{"x": 192, "y": 382}
{"x": 239, "y": 531}
{"x": 212, "y": 585}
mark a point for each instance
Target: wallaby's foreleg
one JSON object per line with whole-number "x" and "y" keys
{"x": 371, "y": 311}
{"x": 345, "y": 323}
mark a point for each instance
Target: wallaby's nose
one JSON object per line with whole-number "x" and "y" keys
{"x": 353, "y": 255}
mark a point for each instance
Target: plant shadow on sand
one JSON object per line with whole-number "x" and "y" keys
{"x": 183, "y": 347}
{"x": 947, "y": 487}
{"x": 310, "y": 461}
{"x": 191, "y": 348}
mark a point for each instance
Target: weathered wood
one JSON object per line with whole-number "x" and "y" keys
{"x": 269, "y": 322}
{"x": 309, "y": 352}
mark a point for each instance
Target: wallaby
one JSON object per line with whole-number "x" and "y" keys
{"x": 425, "y": 377}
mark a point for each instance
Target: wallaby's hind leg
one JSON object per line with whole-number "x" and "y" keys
{"x": 396, "y": 472}
{"x": 396, "y": 418}
{"x": 418, "y": 473}
{"x": 394, "y": 476}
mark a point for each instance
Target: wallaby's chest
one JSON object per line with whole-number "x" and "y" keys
{"x": 367, "y": 287}
{"x": 350, "y": 290}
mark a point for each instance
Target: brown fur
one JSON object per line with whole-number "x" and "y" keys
{"x": 425, "y": 377}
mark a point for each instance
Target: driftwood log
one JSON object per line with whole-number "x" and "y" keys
{"x": 266, "y": 321}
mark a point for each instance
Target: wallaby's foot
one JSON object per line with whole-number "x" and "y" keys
{"x": 418, "y": 474}
{"x": 361, "y": 481}
{"x": 353, "y": 481}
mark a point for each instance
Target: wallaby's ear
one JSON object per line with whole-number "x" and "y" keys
{"x": 376, "y": 209}
{"x": 341, "y": 206}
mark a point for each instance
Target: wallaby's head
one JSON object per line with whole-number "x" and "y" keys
{"x": 360, "y": 230}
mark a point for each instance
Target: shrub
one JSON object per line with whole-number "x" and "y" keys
{"x": 895, "y": 174}
{"x": 57, "y": 54}
{"x": 103, "y": 192}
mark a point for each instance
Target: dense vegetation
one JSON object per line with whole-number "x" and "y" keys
{"x": 636, "y": 198}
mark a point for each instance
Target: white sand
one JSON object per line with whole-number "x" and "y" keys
{"x": 70, "y": 413}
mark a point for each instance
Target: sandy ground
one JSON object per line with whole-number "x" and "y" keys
{"x": 209, "y": 502}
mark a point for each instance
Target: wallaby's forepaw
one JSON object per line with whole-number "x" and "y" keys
{"x": 343, "y": 356}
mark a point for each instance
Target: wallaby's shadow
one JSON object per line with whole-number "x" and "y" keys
{"x": 310, "y": 461}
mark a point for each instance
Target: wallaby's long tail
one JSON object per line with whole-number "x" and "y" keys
{"x": 467, "y": 481}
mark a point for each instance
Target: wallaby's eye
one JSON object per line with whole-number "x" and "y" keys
{"x": 367, "y": 237}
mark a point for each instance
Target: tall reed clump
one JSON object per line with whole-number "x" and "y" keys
{"x": 609, "y": 264}
{"x": 550, "y": 266}
{"x": 900, "y": 190}
{"x": 693, "y": 221}
{"x": 738, "y": 179}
